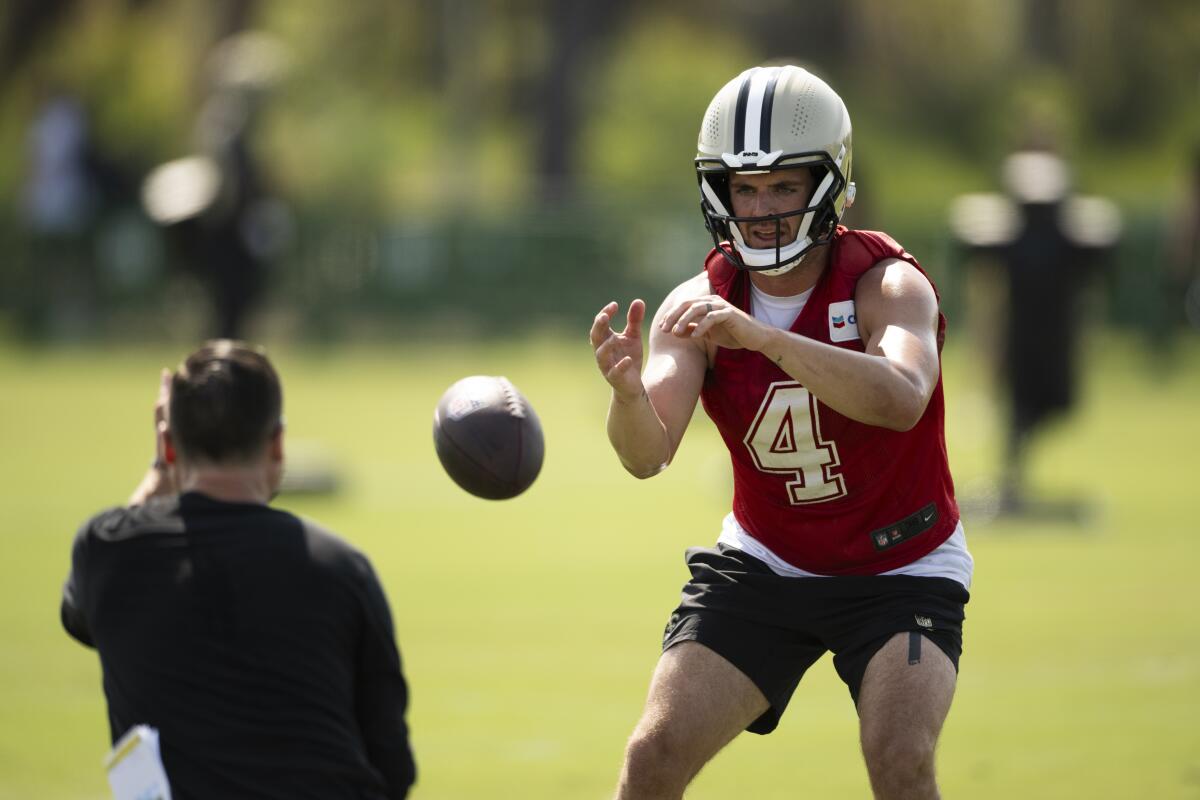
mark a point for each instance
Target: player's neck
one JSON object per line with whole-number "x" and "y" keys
{"x": 798, "y": 279}
{"x": 250, "y": 483}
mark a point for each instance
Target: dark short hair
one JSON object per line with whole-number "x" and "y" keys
{"x": 226, "y": 403}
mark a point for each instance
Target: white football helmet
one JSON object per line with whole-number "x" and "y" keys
{"x": 771, "y": 118}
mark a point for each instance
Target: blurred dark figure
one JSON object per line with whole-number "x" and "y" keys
{"x": 1183, "y": 252}
{"x": 224, "y": 225}
{"x": 218, "y": 244}
{"x": 1048, "y": 243}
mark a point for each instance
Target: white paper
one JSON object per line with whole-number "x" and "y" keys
{"x": 135, "y": 769}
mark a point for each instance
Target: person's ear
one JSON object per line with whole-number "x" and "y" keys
{"x": 275, "y": 446}
{"x": 168, "y": 448}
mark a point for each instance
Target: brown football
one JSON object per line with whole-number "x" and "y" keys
{"x": 488, "y": 437}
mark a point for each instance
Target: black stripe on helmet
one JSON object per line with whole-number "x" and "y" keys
{"x": 764, "y": 126}
{"x": 739, "y": 115}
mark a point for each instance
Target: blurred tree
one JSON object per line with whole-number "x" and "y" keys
{"x": 577, "y": 30}
{"x": 432, "y": 112}
{"x": 1134, "y": 65}
{"x": 938, "y": 65}
{"x": 24, "y": 24}
{"x": 646, "y": 105}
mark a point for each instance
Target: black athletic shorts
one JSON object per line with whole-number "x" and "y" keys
{"x": 773, "y": 628}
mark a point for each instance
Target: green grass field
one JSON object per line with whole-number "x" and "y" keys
{"x": 529, "y": 628}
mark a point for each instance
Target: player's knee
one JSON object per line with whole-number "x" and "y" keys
{"x": 655, "y": 758}
{"x": 899, "y": 766}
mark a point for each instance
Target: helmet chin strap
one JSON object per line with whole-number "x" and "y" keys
{"x": 772, "y": 273}
{"x": 787, "y": 256}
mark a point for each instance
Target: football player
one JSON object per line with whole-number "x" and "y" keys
{"x": 815, "y": 349}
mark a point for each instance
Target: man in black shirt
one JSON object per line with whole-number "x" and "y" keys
{"x": 258, "y": 644}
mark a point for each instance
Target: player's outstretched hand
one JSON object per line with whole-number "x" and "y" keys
{"x": 619, "y": 354}
{"x": 712, "y": 318}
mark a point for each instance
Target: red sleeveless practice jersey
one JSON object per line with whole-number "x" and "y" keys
{"x": 824, "y": 492}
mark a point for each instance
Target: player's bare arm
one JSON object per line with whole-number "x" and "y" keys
{"x": 651, "y": 407}
{"x": 889, "y": 385}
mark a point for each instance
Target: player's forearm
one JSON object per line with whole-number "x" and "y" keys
{"x": 865, "y": 387}
{"x": 638, "y": 436}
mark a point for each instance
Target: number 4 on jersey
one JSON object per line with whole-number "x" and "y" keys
{"x": 785, "y": 437}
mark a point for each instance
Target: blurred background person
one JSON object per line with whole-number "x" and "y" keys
{"x": 61, "y": 203}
